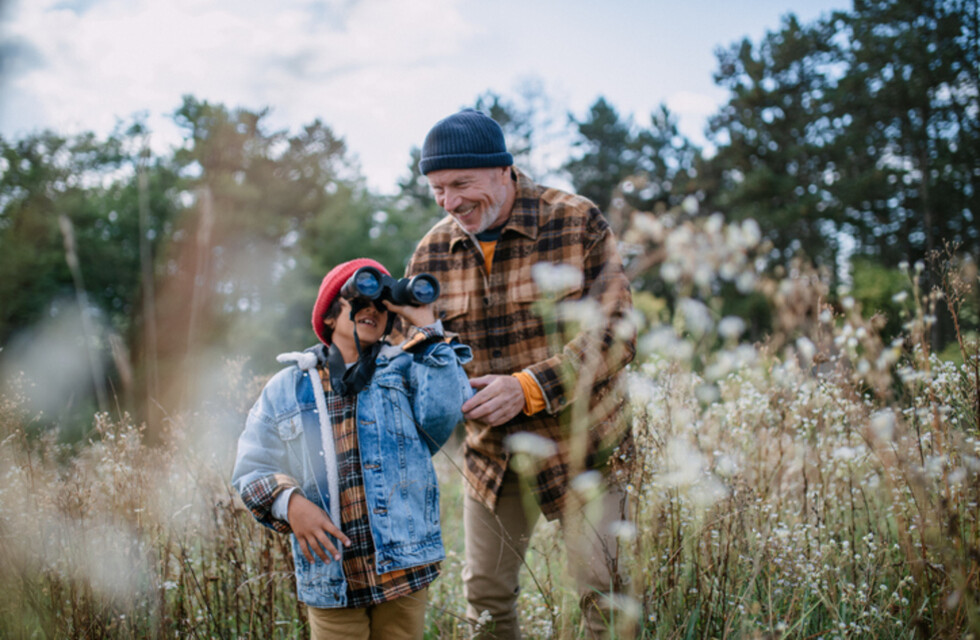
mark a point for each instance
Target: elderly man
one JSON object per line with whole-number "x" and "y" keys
{"x": 532, "y": 375}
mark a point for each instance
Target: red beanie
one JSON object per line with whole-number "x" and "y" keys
{"x": 330, "y": 287}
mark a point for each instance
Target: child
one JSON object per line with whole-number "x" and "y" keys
{"x": 337, "y": 451}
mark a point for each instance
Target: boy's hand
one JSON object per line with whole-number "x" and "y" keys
{"x": 415, "y": 316}
{"x": 311, "y": 525}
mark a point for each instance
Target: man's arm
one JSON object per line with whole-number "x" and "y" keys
{"x": 591, "y": 357}
{"x": 596, "y": 353}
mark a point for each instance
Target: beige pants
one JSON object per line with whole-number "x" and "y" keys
{"x": 496, "y": 543}
{"x": 399, "y": 619}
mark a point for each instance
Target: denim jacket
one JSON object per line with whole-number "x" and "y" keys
{"x": 404, "y": 415}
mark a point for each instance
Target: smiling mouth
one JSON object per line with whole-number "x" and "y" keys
{"x": 368, "y": 321}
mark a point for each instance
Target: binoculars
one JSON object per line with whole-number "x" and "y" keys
{"x": 370, "y": 284}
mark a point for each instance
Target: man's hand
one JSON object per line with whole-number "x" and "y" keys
{"x": 499, "y": 399}
{"x": 311, "y": 526}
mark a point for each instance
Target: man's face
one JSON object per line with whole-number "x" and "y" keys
{"x": 478, "y": 199}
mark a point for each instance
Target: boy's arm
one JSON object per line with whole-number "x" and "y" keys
{"x": 262, "y": 493}
{"x": 439, "y": 383}
{"x": 261, "y": 472}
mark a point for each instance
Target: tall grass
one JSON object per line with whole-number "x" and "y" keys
{"x": 821, "y": 484}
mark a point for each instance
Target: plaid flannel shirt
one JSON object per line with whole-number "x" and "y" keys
{"x": 497, "y": 316}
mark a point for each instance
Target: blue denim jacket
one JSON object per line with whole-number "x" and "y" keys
{"x": 404, "y": 415}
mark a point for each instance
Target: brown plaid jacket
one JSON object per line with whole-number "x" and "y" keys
{"x": 578, "y": 369}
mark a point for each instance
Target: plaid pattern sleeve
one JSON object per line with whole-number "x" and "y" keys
{"x": 495, "y": 313}
{"x": 258, "y": 496}
{"x": 420, "y": 337}
{"x": 364, "y": 586}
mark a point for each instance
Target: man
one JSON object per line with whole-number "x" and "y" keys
{"x": 563, "y": 388}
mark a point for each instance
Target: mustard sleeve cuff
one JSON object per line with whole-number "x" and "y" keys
{"x": 533, "y": 396}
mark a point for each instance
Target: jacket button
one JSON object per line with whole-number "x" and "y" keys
{"x": 497, "y": 353}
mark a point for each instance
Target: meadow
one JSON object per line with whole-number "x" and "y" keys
{"x": 822, "y": 482}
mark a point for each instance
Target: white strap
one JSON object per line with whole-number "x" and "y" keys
{"x": 307, "y": 361}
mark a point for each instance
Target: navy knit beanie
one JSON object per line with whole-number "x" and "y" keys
{"x": 465, "y": 140}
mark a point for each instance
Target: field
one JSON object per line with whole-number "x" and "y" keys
{"x": 820, "y": 483}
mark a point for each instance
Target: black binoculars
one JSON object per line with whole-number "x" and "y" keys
{"x": 371, "y": 284}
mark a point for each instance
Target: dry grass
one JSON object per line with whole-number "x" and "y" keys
{"x": 822, "y": 485}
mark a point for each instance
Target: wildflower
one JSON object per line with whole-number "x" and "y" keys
{"x": 731, "y": 327}
{"x": 586, "y": 312}
{"x": 649, "y": 225}
{"x": 623, "y": 530}
{"x": 484, "y": 619}
{"x": 751, "y": 232}
{"x": 883, "y": 425}
{"x": 556, "y": 278}
{"x": 806, "y": 348}
{"x": 696, "y": 316}
{"x": 690, "y": 205}
{"x": 587, "y": 484}
{"x": 745, "y": 282}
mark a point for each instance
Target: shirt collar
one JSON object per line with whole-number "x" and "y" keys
{"x": 523, "y": 217}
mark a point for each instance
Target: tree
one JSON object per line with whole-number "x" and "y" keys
{"x": 608, "y": 153}
{"x": 909, "y": 140}
{"x": 771, "y": 138}
{"x": 72, "y": 241}
{"x": 666, "y": 164}
{"x": 270, "y": 210}
{"x": 862, "y": 125}
{"x": 648, "y": 168}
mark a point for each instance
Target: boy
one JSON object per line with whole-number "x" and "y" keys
{"x": 337, "y": 451}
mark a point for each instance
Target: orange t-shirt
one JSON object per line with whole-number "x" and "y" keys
{"x": 533, "y": 396}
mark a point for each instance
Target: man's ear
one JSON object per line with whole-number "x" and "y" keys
{"x": 330, "y": 322}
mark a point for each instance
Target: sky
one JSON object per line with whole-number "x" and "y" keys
{"x": 379, "y": 73}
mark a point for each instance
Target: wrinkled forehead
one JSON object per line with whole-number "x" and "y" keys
{"x": 454, "y": 177}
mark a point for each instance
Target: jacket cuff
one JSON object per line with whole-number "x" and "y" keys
{"x": 533, "y": 394}
{"x": 260, "y": 495}
{"x": 421, "y": 337}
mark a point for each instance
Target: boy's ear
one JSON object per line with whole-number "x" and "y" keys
{"x": 330, "y": 322}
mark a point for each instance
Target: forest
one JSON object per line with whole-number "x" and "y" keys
{"x": 806, "y": 392}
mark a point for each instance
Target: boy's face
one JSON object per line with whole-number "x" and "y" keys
{"x": 369, "y": 321}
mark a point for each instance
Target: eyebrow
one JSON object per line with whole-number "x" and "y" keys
{"x": 454, "y": 183}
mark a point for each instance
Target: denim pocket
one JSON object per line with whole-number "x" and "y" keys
{"x": 290, "y": 428}
{"x": 397, "y": 410}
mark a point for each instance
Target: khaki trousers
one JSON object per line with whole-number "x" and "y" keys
{"x": 496, "y": 543}
{"x": 399, "y": 619}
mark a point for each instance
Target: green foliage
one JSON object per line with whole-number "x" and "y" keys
{"x": 45, "y": 176}
{"x": 862, "y": 123}
{"x": 606, "y": 157}
{"x": 883, "y": 292}
{"x": 909, "y": 143}
{"x": 649, "y": 168}
{"x": 768, "y": 166}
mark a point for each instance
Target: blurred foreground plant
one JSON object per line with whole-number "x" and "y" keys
{"x": 822, "y": 482}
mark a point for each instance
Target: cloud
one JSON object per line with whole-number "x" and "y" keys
{"x": 96, "y": 62}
